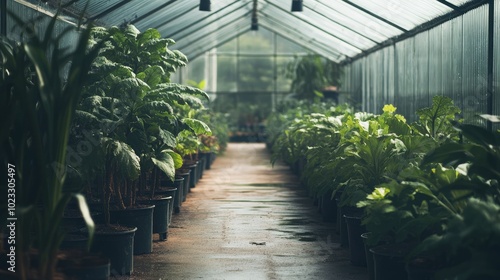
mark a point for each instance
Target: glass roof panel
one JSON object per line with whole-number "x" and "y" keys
{"x": 334, "y": 28}
{"x": 350, "y": 16}
{"x": 314, "y": 33}
{"x": 204, "y": 33}
{"x": 309, "y": 18}
{"x": 405, "y": 13}
{"x": 210, "y": 22}
{"x": 196, "y": 47}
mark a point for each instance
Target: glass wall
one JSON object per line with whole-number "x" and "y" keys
{"x": 450, "y": 59}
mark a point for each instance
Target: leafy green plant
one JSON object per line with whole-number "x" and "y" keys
{"x": 436, "y": 121}
{"x": 41, "y": 85}
{"x": 414, "y": 206}
{"x": 469, "y": 244}
{"x": 311, "y": 74}
{"x": 136, "y": 113}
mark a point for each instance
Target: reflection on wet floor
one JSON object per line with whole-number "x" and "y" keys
{"x": 248, "y": 220}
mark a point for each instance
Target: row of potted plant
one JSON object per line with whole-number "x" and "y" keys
{"x": 93, "y": 131}
{"x": 415, "y": 188}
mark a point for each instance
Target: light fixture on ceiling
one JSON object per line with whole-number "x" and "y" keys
{"x": 255, "y": 21}
{"x": 205, "y": 5}
{"x": 255, "y": 24}
{"x": 296, "y": 5}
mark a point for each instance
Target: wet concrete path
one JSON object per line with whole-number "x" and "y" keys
{"x": 248, "y": 220}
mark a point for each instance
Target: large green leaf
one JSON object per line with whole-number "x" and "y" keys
{"x": 165, "y": 163}
{"x": 152, "y": 75}
{"x": 167, "y": 137}
{"x": 176, "y": 157}
{"x": 122, "y": 158}
{"x": 436, "y": 119}
{"x": 197, "y": 126}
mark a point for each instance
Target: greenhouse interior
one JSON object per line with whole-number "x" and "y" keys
{"x": 250, "y": 139}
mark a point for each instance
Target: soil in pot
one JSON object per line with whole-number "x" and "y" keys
{"x": 77, "y": 265}
{"x": 140, "y": 217}
{"x": 117, "y": 244}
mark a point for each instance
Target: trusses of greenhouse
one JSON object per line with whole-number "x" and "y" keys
{"x": 337, "y": 29}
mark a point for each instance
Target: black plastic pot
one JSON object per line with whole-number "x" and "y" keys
{"x": 75, "y": 241}
{"x": 199, "y": 171}
{"x": 328, "y": 207}
{"x": 369, "y": 256}
{"x": 179, "y": 197}
{"x": 193, "y": 175}
{"x": 86, "y": 268}
{"x": 208, "y": 159}
{"x": 142, "y": 219}
{"x": 173, "y": 192}
{"x": 422, "y": 269}
{"x": 118, "y": 247}
{"x": 161, "y": 215}
{"x": 356, "y": 245}
{"x": 341, "y": 223}
{"x": 179, "y": 184}
{"x": 389, "y": 261}
{"x": 185, "y": 174}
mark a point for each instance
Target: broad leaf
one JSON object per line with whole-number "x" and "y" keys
{"x": 197, "y": 126}
{"x": 165, "y": 163}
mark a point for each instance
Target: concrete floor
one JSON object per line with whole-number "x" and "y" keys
{"x": 248, "y": 220}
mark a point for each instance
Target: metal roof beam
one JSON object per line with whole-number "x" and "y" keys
{"x": 316, "y": 27}
{"x": 153, "y": 11}
{"x": 450, "y": 5}
{"x": 375, "y": 15}
{"x": 212, "y": 21}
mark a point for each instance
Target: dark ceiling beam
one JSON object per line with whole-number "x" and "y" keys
{"x": 110, "y": 10}
{"x": 313, "y": 25}
{"x": 153, "y": 11}
{"x": 184, "y": 28}
{"x": 375, "y": 15}
{"x": 450, "y": 5}
{"x": 3, "y": 18}
{"x": 190, "y": 10}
